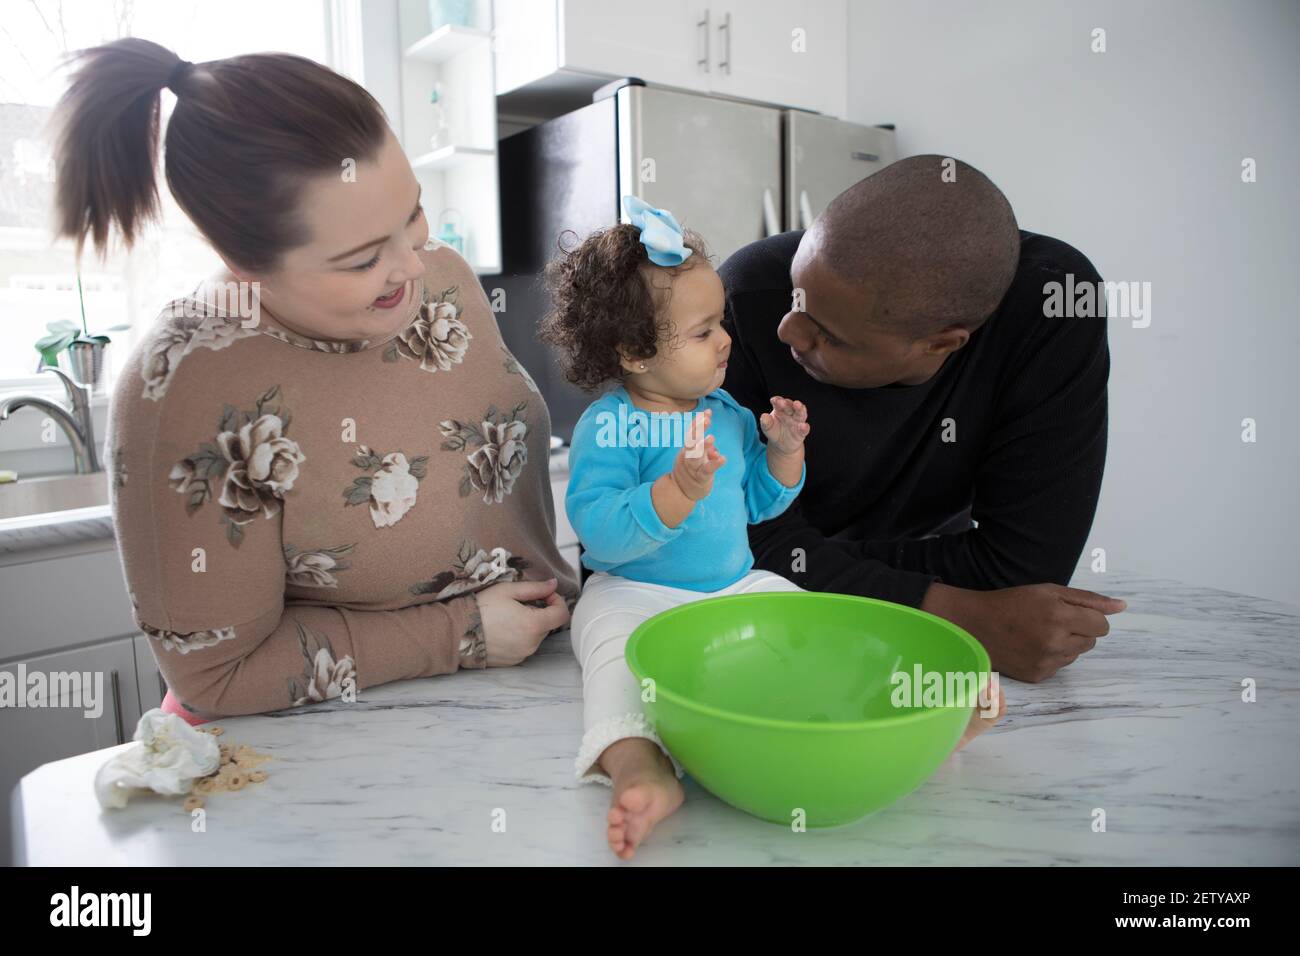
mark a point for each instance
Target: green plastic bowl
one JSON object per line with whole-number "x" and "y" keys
{"x": 784, "y": 702}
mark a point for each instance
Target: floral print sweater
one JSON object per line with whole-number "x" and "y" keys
{"x": 299, "y": 518}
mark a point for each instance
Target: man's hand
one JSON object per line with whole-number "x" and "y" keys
{"x": 1030, "y": 632}
{"x": 786, "y": 425}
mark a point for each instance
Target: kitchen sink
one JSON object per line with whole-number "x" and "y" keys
{"x": 29, "y": 497}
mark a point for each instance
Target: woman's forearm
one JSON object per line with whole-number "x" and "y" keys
{"x": 316, "y": 653}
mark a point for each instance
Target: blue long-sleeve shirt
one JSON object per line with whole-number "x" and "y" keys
{"x": 617, "y": 453}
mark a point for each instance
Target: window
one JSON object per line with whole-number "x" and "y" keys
{"x": 38, "y": 277}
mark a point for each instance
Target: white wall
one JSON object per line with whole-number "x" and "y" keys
{"x": 1134, "y": 157}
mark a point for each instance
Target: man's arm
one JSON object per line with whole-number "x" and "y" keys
{"x": 788, "y": 545}
{"x": 1040, "y": 474}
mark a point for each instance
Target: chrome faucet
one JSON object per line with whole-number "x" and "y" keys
{"x": 76, "y": 423}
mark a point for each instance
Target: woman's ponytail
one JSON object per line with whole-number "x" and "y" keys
{"x": 247, "y": 133}
{"x": 106, "y": 147}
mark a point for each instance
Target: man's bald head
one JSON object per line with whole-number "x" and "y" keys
{"x": 929, "y": 252}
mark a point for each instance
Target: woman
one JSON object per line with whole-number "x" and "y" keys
{"x": 328, "y": 471}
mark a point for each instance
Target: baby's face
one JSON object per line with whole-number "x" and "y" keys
{"x": 692, "y": 361}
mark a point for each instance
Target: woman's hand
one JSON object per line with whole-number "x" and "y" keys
{"x": 512, "y": 630}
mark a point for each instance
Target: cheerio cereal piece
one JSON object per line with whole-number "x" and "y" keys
{"x": 246, "y": 756}
{"x": 216, "y": 731}
{"x": 235, "y": 771}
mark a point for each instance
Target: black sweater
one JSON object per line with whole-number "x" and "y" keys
{"x": 888, "y": 505}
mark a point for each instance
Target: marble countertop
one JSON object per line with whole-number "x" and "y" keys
{"x": 1150, "y": 727}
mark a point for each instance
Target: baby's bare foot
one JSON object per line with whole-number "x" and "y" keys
{"x": 645, "y": 791}
{"x": 979, "y": 723}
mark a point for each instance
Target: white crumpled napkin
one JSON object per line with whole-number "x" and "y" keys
{"x": 167, "y": 756}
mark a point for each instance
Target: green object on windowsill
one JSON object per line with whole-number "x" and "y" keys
{"x": 64, "y": 333}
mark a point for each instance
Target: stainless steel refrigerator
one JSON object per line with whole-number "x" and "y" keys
{"x": 732, "y": 171}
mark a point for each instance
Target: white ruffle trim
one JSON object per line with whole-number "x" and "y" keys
{"x": 595, "y": 740}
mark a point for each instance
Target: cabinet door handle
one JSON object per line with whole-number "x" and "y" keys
{"x": 705, "y": 24}
{"x": 805, "y": 210}
{"x": 117, "y": 707}
{"x": 771, "y": 221}
{"x": 726, "y": 25}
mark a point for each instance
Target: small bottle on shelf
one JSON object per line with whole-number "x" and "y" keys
{"x": 441, "y": 131}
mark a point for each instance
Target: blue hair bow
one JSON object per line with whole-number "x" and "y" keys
{"x": 660, "y": 234}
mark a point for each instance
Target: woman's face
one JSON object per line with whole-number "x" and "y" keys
{"x": 355, "y": 278}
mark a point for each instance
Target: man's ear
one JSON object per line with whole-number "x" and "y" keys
{"x": 949, "y": 340}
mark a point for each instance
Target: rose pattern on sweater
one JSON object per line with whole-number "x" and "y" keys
{"x": 340, "y": 347}
{"x": 500, "y": 454}
{"x": 324, "y": 678}
{"x": 514, "y": 368}
{"x": 473, "y": 645}
{"x": 436, "y": 338}
{"x": 182, "y": 333}
{"x": 392, "y": 489}
{"x": 473, "y": 568}
{"x": 183, "y": 643}
{"x": 316, "y": 568}
{"x": 253, "y": 460}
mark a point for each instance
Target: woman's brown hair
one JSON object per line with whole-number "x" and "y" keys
{"x": 245, "y": 133}
{"x": 602, "y": 303}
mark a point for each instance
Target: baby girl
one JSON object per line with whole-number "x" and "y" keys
{"x": 666, "y": 472}
{"x": 660, "y": 490}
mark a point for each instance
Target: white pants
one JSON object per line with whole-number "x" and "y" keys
{"x": 608, "y": 611}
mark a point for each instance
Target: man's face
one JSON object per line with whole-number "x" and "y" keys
{"x": 832, "y": 335}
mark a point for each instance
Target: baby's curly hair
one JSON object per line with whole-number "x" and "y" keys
{"x": 602, "y": 302}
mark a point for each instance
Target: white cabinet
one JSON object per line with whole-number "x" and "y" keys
{"x": 655, "y": 41}
{"x": 102, "y": 711}
{"x": 66, "y": 611}
{"x": 789, "y": 54}
{"x": 770, "y": 51}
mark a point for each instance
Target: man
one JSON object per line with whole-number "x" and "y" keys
{"x": 910, "y": 321}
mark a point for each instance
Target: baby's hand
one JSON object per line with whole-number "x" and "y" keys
{"x": 696, "y": 463}
{"x": 786, "y": 425}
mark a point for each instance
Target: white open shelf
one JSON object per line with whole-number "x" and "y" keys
{"x": 446, "y": 42}
{"x": 461, "y": 176}
{"x": 449, "y": 157}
